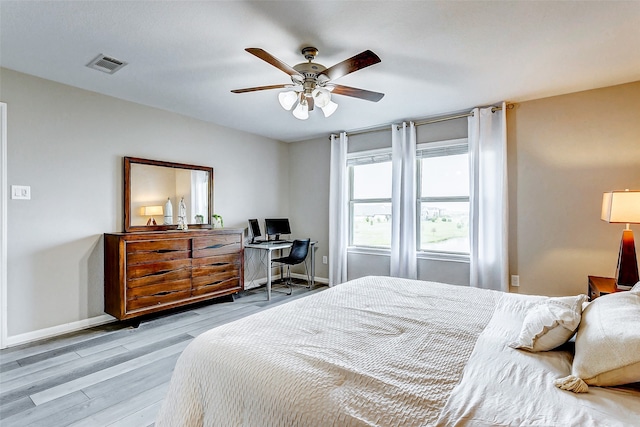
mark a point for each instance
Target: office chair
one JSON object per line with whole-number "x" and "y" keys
{"x": 297, "y": 254}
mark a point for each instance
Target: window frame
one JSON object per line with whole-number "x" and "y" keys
{"x": 429, "y": 253}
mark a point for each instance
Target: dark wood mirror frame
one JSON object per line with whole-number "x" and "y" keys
{"x": 128, "y": 161}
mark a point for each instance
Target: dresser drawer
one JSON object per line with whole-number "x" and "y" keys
{"x": 157, "y": 272}
{"x": 223, "y": 281}
{"x": 223, "y": 261}
{"x": 216, "y": 245}
{"x": 158, "y": 250}
{"x": 161, "y": 293}
{"x": 216, "y": 273}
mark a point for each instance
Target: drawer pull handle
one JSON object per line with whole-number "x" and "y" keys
{"x": 215, "y": 246}
{"x": 159, "y": 273}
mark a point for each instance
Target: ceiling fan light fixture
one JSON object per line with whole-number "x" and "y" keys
{"x": 329, "y": 109}
{"x": 313, "y": 83}
{"x": 288, "y": 99}
{"x": 301, "y": 112}
{"x": 321, "y": 97}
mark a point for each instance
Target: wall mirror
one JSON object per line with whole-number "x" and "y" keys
{"x": 160, "y": 195}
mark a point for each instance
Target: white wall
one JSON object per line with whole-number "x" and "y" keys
{"x": 68, "y": 144}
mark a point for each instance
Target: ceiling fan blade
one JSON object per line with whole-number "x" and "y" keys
{"x": 253, "y": 89}
{"x": 310, "y": 103}
{"x": 267, "y": 57}
{"x": 355, "y": 63}
{"x": 356, "y": 93}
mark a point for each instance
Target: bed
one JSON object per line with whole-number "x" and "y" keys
{"x": 380, "y": 351}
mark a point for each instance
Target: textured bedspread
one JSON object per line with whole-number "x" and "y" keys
{"x": 374, "y": 351}
{"x": 502, "y": 386}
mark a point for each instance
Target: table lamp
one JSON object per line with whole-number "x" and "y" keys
{"x": 152, "y": 211}
{"x": 624, "y": 207}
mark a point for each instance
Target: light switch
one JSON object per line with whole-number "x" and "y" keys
{"x": 21, "y": 192}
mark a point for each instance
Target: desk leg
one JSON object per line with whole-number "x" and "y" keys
{"x": 313, "y": 266}
{"x": 268, "y": 275}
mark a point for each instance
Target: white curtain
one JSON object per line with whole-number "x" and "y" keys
{"x": 199, "y": 195}
{"x": 488, "y": 199}
{"x": 338, "y": 212}
{"x": 403, "y": 202}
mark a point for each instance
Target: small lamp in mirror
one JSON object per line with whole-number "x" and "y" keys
{"x": 152, "y": 211}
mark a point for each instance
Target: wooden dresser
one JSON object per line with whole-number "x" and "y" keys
{"x": 146, "y": 272}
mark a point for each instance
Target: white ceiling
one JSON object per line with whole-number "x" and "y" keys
{"x": 437, "y": 57}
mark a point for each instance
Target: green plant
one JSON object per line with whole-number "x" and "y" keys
{"x": 218, "y": 218}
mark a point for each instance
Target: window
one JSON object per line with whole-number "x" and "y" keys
{"x": 443, "y": 197}
{"x": 370, "y": 199}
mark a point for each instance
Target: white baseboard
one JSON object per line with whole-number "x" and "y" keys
{"x": 97, "y": 321}
{"x": 59, "y": 330}
{"x": 257, "y": 282}
{"x": 302, "y": 276}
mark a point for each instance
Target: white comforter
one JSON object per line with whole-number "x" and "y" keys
{"x": 372, "y": 352}
{"x": 502, "y": 386}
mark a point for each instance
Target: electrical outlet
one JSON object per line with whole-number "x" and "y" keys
{"x": 515, "y": 280}
{"x": 324, "y": 259}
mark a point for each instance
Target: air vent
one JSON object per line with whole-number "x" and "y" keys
{"x": 106, "y": 64}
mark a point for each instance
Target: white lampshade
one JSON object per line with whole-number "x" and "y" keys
{"x": 321, "y": 97}
{"x": 329, "y": 109}
{"x": 621, "y": 206}
{"x": 301, "y": 112}
{"x": 288, "y": 99}
{"x": 151, "y": 210}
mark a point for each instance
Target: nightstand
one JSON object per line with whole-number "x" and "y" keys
{"x": 601, "y": 286}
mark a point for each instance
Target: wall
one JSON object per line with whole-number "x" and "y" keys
{"x": 68, "y": 144}
{"x": 564, "y": 152}
{"x": 309, "y": 191}
{"x": 309, "y": 195}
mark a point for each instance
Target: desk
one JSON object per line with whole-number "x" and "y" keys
{"x": 273, "y": 246}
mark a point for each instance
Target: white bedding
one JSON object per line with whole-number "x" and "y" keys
{"x": 502, "y": 386}
{"x": 380, "y": 351}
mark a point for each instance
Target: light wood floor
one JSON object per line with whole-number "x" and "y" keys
{"x": 112, "y": 375}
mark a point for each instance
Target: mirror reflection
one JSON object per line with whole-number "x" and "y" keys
{"x": 158, "y": 194}
{"x": 165, "y": 196}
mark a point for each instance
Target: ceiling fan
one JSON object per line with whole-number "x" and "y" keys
{"x": 312, "y": 83}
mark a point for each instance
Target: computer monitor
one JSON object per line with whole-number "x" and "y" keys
{"x": 255, "y": 229}
{"x": 276, "y": 227}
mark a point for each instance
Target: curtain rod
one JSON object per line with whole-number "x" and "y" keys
{"x": 426, "y": 121}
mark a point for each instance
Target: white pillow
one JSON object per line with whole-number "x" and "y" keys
{"x": 636, "y": 288}
{"x": 550, "y": 323}
{"x": 607, "y": 344}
